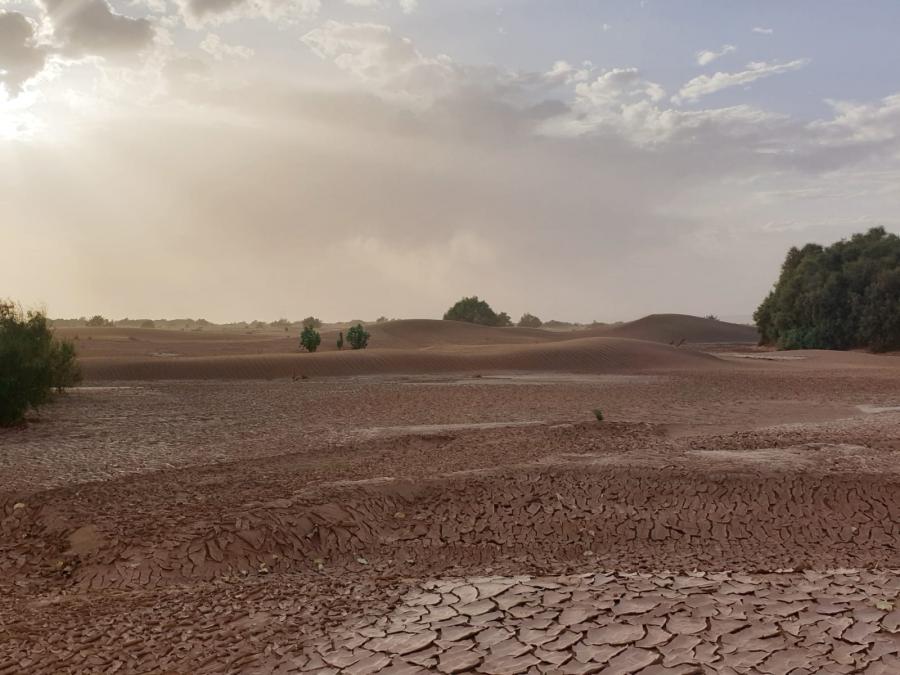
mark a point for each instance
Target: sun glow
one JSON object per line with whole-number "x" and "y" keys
{"x": 18, "y": 121}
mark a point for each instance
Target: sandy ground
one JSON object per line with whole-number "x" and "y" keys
{"x": 730, "y": 515}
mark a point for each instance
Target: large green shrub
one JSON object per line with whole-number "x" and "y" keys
{"x": 473, "y": 310}
{"x": 842, "y": 296}
{"x": 32, "y": 363}
{"x": 310, "y": 339}
{"x": 358, "y": 337}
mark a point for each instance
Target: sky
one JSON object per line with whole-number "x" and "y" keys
{"x": 579, "y": 160}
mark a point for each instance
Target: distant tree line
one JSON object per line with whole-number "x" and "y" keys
{"x": 842, "y": 296}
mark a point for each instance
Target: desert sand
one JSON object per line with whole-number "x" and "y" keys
{"x": 445, "y": 501}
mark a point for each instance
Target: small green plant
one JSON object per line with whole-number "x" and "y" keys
{"x": 310, "y": 339}
{"x": 358, "y": 337}
{"x": 598, "y": 414}
{"x": 340, "y": 340}
{"x": 312, "y": 322}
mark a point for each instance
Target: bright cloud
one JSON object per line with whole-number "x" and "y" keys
{"x": 707, "y": 56}
{"x": 704, "y": 85}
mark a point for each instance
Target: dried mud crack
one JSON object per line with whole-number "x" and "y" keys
{"x": 701, "y": 536}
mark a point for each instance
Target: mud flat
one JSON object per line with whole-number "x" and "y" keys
{"x": 728, "y": 516}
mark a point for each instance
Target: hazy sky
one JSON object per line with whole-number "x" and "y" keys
{"x": 240, "y": 159}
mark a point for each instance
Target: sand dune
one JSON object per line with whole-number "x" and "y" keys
{"x": 402, "y": 334}
{"x": 421, "y": 333}
{"x": 676, "y": 327}
{"x": 587, "y": 355}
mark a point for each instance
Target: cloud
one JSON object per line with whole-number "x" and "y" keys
{"x": 212, "y": 44}
{"x": 563, "y": 72}
{"x": 763, "y": 31}
{"x": 706, "y": 56}
{"x": 376, "y": 55}
{"x": 21, "y": 57}
{"x": 558, "y": 186}
{"x": 198, "y": 13}
{"x": 704, "y": 85}
{"x": 91, "y": 27}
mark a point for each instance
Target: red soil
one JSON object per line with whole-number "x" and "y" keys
{"x": 202, "y": 520}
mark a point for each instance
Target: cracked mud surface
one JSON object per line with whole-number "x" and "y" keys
{"x": 733, "y": 520}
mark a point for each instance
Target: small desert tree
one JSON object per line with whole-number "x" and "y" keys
{"x": 358, "y": 337}
{"x": 32, "y": 363}
{"x": 340, "y": 340}
{"x": 530, "y": 321}
{"x": 97, "y": 321}
{"x": 310, "y": 339}
{"x": 312, "y": 322}
{"x": 474, "y": 310}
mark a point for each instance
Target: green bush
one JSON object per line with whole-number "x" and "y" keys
{"x": 310, "y": 339}
{"x": 32, "y": 363}
{"x": 358, "y": 337}
{"x": 98, "y": 321}
{"x": 311, "y": 322}
{"x": 842, "y": 296}
{"x": 340, "y": 340}
{"x": 530, "y": 321}
{"x": 473, "y": 310}
{"x": 598, "y": 414}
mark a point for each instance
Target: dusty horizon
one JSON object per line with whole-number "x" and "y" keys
{"x": 245, "y": 158}
{"x": 330, "y": 321}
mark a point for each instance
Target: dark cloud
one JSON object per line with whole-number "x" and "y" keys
{"x": 91, "y": 27}
{"x": 20, "y": 57}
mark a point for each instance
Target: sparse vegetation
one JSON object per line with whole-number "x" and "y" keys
{"x": 310, "y": 339}
{"x": 147, "y": 323}
{"x": 358, "y": 337}
{"x": 711, "y": 317}
{"x": 530, "y": 321}
{"x": 340, "y": 341}
{"x": 598, "y": 414}
{"x": 382, "y": 319}
{"x": 474, "y": 310}
{"x": 281, "y": 323}
{"x": 842, "y": 296}
{"x": 33, "y": 364}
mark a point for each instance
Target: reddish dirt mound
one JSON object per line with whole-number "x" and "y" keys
{"x": 405, "y": 334}
{"x": 588, "y": 355}
{"x": 743, "y": 513}
{"x": 119, "y": 342}
{"x": 677, "y": 327}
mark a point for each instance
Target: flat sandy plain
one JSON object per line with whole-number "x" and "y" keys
{"x": 446, "y": 502}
